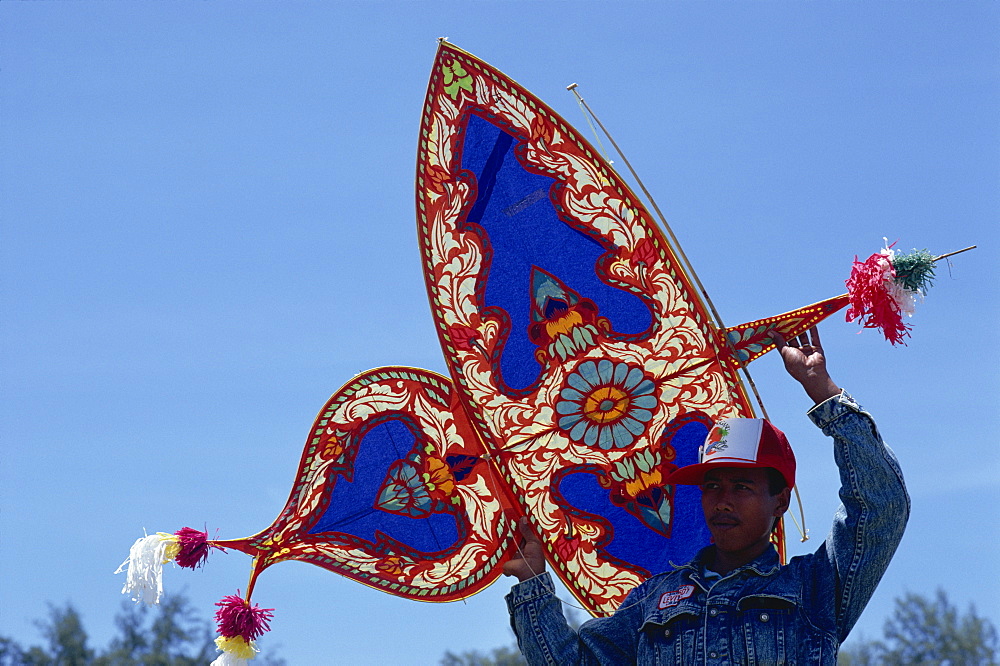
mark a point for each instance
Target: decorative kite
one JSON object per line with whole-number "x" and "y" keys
{"x": 584, "y": 367}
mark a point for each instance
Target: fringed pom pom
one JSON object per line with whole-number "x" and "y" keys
{"x": 239, "y": 625}
{"x": 236, "y": 617}
{"x": 192, "y": 549}
{"x": 914, "y": 271}
{"x": 885, "y": 286}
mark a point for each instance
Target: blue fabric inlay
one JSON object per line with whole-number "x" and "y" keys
{"x": 352, "y": 509}
{"x": 633, "y": 542}
{"x": 524, "y": 230}
{"x": 488, "y": 177}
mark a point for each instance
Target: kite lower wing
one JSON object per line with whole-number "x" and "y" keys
{"x": 394, "y": 491}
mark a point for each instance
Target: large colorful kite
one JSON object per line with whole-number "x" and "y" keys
{"x": 584, "y": 367}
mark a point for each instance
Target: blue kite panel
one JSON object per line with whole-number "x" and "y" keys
{"x": 523, "y": 230}
{"x": 632, "y": 541}
{"x": 352, "y": 504}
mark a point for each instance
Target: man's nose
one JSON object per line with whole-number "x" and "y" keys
{"x": 723, "y": 501}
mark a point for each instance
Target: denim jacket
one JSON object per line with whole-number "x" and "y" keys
{"x": 761, "y": 613}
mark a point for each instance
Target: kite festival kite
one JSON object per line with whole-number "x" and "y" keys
{"x": 585, "y": 360}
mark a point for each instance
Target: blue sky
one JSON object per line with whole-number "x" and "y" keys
{"x": 208, "y": 227}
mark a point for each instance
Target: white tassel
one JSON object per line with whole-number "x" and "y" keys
{"x": 145, "y": 567}
{"x": 227, "y": 659}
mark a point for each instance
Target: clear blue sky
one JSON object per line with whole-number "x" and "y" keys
{"x": 208, "y": 227}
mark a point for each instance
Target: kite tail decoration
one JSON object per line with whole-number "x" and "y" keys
{"x": 887, "y": 285}
{"x": 240, "y": 624}
{"x": 187, "y": 547}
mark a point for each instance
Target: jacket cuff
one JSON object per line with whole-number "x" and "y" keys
{"x": 529, "y": 590}
{"x": 833, "y": 408}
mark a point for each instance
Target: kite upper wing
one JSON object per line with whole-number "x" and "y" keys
{"x": 578, "y": 346}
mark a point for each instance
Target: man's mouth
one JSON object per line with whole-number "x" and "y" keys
{"x": 724, "y": 521}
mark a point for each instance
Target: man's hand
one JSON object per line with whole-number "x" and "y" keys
{"x": 530, "y": 561}
{"x": 805, "y": 362}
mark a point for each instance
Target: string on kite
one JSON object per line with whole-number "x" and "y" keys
{"x": 675, "y": 244}
{"x": 803, "y": 530}
{"x": 951, "y": 254}
{"x": 590, "y": 124}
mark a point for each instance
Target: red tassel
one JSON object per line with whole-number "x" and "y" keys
{"x": 236, "y": 617}
{"x": 871, "y": 300}
{"x": 194, "y": 547}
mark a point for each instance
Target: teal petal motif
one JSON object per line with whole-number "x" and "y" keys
{"x": 606, "y": 404}
{"x": 404, "y": 491}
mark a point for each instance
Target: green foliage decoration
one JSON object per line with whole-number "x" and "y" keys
{"x": 915, "y": 270}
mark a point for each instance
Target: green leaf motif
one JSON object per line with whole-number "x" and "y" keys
{"x": 455, "y": 79}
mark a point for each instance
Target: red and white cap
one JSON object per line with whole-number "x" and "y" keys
{"x": 740, "y": 443}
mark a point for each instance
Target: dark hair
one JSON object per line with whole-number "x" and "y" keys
{"x": 775, "y": 481}
{"x": 775, "y": 484}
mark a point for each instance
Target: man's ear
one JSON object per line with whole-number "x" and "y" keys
{"x": 784, "y": 499}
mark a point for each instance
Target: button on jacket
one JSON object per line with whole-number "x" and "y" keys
{"x": 761, "y": 613}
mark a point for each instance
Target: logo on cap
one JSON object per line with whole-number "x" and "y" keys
{"x": 717, "y": 439}
{"x": 733, "y": 440}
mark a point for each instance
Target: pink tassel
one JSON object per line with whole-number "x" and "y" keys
{"x": 871, "y": 300}
{"x": 194, "y": 548}
{"x": 236, "y": 617}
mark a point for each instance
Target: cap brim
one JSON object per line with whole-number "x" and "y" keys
{"x": 693, "y": 475}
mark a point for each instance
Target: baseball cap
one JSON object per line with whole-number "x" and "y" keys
{"x": 739, "y": 442}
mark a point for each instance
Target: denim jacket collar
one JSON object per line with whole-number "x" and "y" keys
{"x": 764, "y": 565}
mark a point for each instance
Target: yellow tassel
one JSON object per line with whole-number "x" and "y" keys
{"x": 236, "y": 647}
{"x": 174, "y": 547}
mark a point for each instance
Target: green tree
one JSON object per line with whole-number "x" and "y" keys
{"x": 501, "y": 656}
{"x": 66, "y": 642}
{"x": 11, "y": 653}
{"x": 169, "y": 634}
{"x": 928, "y": 631}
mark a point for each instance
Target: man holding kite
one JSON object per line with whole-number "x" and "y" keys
{"x": 734, "y": 602}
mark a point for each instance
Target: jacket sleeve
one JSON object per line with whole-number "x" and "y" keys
{"x": 874, "y": 509}
{"x": 544, "y": 636}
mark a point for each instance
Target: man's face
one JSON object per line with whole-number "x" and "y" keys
{"x": 740, "y": 509}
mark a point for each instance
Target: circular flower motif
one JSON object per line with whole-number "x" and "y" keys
{"x": 606, "y": 404}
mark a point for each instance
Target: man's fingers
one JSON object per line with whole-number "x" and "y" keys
{"x": 527, "y": 532}
{"x": 814, "y": 334}
{"x": 778, "y": 338}
{"x": 808, "y": 338}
